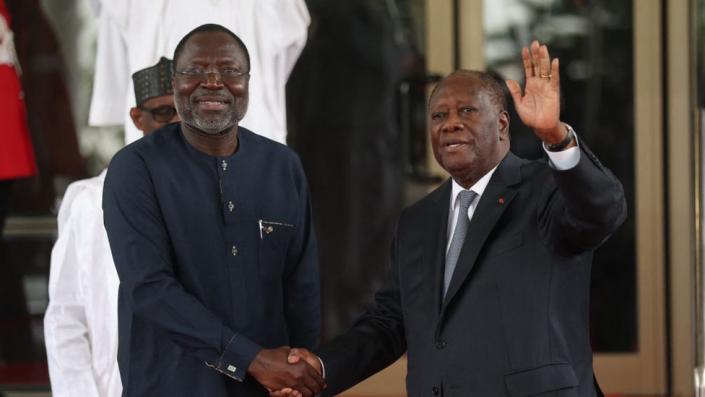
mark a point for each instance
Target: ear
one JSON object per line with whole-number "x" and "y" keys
{"x": 136, "y": 116}
{"x": 503, "y": 125}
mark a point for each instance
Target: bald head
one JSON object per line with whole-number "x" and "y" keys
{"x": 210, "y": 28}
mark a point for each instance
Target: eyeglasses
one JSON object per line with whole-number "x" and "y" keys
{"x": 226, "y": 75}
{"x": 162, "y": 114}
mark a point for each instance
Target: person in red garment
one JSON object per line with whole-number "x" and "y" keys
{"x": 16, "y": 161}
{"x": 16, "y": 153}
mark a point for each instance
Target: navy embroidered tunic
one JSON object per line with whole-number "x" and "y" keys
{"x": 216, "y": 257}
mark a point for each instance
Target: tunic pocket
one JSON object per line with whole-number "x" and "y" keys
{"x": 275, "y": 238}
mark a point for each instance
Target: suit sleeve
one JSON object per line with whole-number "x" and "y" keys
{"x": 302, "y": 283}
{"x": 65, "y": 323}
{"x": 375, "y": 341}
{"x": 143, "y": 257}
{"x": 582, "y": 206}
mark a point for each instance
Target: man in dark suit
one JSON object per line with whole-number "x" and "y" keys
{"x": 489, "y": 282}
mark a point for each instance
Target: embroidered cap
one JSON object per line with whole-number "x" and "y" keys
{"x": 153, "y": 81}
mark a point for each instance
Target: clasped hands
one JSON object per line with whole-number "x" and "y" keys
{"x": 287, "y": 372}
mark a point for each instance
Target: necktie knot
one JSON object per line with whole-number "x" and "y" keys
{"x": 465, "y": 197}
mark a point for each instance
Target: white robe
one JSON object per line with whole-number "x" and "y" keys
{"x": 80, "y": 324}
{"x": 134, "y": 34}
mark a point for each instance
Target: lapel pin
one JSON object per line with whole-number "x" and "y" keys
{"x": 501, "y": 200}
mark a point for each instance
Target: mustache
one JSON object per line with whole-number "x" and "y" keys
{"x": 221, "y": 96}
{"x": 211, "y": 98}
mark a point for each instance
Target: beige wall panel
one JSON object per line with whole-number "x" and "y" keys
{"x": 472, "y": 35}
{"x": 439, "y": 53}
{"x": 682, "y": 199}
{"x": 645, "y": 371}
{"x": 389, "y": 383}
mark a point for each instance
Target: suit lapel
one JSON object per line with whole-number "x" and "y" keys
{"x": 497, "y": 197}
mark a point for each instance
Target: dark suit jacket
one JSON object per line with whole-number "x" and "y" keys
{"x": 515, "y": 319}
{"x": 216, "y": 258}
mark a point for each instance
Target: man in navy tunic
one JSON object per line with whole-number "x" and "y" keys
{"x": 210, "y": 229}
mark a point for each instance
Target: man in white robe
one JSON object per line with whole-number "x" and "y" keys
{"x": 80, "y": 324}
{"x": 134, "y": 34}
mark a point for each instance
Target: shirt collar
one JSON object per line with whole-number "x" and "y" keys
{"x": 479, "y": 187}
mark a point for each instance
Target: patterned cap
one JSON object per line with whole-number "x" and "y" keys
{"x": 153, "y": 81}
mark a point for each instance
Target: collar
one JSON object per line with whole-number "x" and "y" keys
{"x": 479, "y": 187}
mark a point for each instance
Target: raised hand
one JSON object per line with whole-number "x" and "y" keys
{"x": 272, "y": 369}
{"x": 295, "y": 356}
{"x": 539, "y": 107}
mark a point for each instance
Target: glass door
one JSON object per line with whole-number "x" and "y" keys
{"x": 610, "y": 74}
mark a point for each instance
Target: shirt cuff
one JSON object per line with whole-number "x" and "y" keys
{"x": 238, "y": 353}
{"x": 565, "y": 159}
{"x": 323, "y": 374}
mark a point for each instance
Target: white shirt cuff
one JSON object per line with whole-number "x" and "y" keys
{"x": 565, "y": 159}
{"x": 323, "y": 368}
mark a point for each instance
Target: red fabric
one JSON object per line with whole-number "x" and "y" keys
{"x": 16, "y": 154}
{"x": 5, "y": 13}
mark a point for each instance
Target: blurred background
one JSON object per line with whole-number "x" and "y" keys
{"x": 633, "y": 86}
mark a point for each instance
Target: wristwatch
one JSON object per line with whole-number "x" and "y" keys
{"x": 557, "y": 147}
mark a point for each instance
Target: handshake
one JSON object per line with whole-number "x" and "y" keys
{"x": 287, "y": 372}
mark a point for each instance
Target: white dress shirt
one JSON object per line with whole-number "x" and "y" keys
{"x": 80, "y": 324}
{"x": 563, "y": 160}
{"x": 134, "y": 34}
